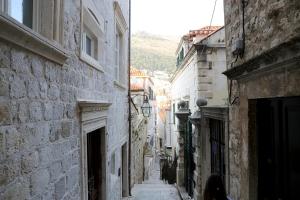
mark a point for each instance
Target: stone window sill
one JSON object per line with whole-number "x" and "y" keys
{"x": 120, "y": 85}
{"x": 91, "y": 61}
{"x": 17, "y": 33}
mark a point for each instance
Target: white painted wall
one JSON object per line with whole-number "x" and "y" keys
{"x": 187, "y": 83}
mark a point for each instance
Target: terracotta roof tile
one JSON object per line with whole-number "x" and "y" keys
{"x": 204, "y": 31}
{"x": 136, "y": 87}
{"x": 136, "y": 72}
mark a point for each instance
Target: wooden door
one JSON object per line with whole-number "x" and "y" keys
{"x": 278, "y": 133}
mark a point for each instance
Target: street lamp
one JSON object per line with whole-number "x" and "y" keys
{"x": 146, "y": 107}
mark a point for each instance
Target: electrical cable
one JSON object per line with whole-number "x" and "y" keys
{"x": 211, "y": 19}
{"x": 212, "y": 16}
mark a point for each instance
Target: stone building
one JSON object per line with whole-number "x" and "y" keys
{"x": 263, "y": 51}
{"x": 199, "y": 72}
{"x": 162, "y": 88}
{"x": 63, "y": 99}
{"x": 201, "y": 61}
{"x": 141, "y": 88}
{"x": 210, "y": 143}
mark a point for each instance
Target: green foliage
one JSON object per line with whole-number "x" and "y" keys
{"x": 153, "y": 52}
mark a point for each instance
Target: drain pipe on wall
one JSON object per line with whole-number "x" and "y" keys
{"x": 129, "y": 103}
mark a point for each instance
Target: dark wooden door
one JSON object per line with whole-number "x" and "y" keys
{"x": 94, "y": 165}
{"x": 291, "y": 129}
{"x": 217, "y": 139}
{"x": 278, "y": 134}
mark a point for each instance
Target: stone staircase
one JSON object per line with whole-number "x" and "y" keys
{"x": 154, "y": 188}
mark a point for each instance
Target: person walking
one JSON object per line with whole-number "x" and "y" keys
{"x": 214, "y": 189}
{"x": 163, "y": 174}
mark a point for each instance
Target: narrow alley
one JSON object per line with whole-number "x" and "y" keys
{"x": 149, "y": 100}
{"x": 155, "y": 188}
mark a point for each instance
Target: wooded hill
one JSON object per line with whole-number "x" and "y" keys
{"x": 152, "y": 52}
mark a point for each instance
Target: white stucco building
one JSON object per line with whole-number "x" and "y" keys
{"x": 201, "y": 59}
{"x": 199, "y": 74}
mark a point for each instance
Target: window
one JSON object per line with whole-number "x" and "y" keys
{"x": 180, "y": 57}
{"x": 21, "y": 19}
{"x": 113, "y": 164}
{"x": 89, "y": 46}
{"x": 118, "y": 54}
{"x": 120, "y": 50}
{"x": 92, "y": 35}
{"x": 210, "y": 64}
{"x": 21, "y": 10}
{"x": 42, "y": 16}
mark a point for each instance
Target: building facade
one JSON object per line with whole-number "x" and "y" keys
{"x": 142, "y": 94}
{"x": 201, "y": 60}
{"x": 199, "y": 71}
{"x": 262, "y": 40}
{"x": 162, "y": 87}
{"x": 63, "y": 87}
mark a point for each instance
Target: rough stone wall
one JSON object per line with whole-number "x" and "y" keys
{"x": 268, "y": 25}
{"x": 240, "y": 166}
{"x": 202, "y": 154}
{"x": 39, "y": 116}
{"x": 139, "y": 137}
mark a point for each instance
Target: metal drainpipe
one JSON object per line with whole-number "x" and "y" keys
{"x": 129, "y": 103}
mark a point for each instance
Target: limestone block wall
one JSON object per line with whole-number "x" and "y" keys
{"x": 212, "y": 84}
{"x": 139, "y": 137}
{"x": 39, "y": 115}
{"x": 272, "y": 27}
{"x": 267, "y": 24}
{"x": 142, "y": 132}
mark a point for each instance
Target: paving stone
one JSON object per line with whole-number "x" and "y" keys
{"x": 154, "y": 188}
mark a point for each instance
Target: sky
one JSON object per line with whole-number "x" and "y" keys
{"x": 174, "y": 17}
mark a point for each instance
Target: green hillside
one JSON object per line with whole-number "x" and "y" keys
{"x": 153, "y": 52}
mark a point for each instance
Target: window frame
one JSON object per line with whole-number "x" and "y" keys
{"x": 6, "y": 8}
{"x": 90, "y": 51}
{"x": 92, "y": 25}
{"x": 40, "y": 23}
{"x": 120, "y": 52}
{"x": 33, "y": 38}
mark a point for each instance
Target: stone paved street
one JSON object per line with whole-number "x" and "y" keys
{"x": 155, "y": 189}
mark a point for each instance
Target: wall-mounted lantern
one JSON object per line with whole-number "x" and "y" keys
{"x": 146, "y": 107}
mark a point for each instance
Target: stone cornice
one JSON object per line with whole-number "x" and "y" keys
{"x": 282, "y": 56}
{"x": 95, "y": 104}
{"x": 219, "y": 113}
{"x": 18, "y": 34}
